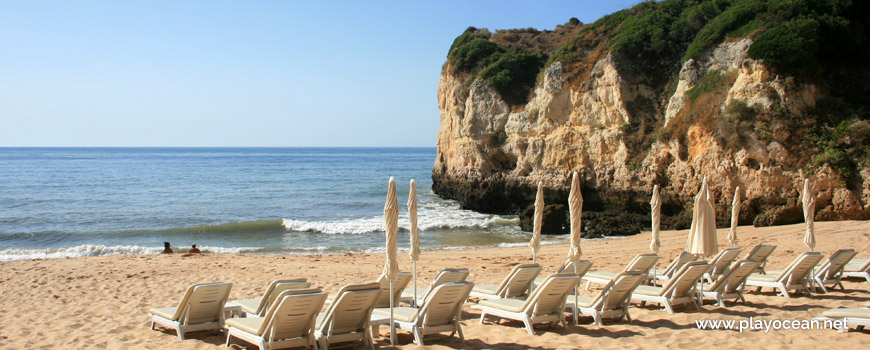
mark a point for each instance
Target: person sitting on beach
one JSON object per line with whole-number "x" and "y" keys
{"x": 166, "y": 248}
{"x": 194, "y": 250}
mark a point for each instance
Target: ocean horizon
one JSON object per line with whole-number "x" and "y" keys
{"x": 85, "y": 201}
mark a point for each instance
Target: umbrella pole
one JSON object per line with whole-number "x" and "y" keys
{"x": 576, "y": 321}
{"x": 392, "y": 321}
{"x": 415, "y": 285}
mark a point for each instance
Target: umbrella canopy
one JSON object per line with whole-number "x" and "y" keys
{"x": 535, "y": 243}
{"x": 808, "y": 199}
{"x": 702, "y": 234}
{"x": 412, "y": 217}
{"x": 656, "y": 205}
{"x": 735, "y": 217}
{"x": 391, "y": 225}
{"x": 575, "y": 208}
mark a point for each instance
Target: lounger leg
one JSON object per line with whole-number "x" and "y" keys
{"x": 668, "y": 307}
{"x": 482, "y": 316}
{"x": 597, "y": 317}
{"x": 180, "y": 333}
{"x": 588, "y": 283}
{"x": 627, "y": 315}
{"x": 418, "y": 337}
{"x": 375, "y": 331}
{"x": 459, "y": 331}
{"x": 229, "y": 336}
{"x": 529, "y": 327}
{"x": 152, "y": 325}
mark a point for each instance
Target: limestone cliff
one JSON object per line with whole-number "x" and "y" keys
{"x": 727, "y": 117}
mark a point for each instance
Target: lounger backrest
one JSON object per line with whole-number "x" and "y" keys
{"x": 677, "y": 263}
{"x": 836, "y": 263}
{"x": 760, "y": 253}
{"x": 352, "y": 309}
{"x": 203, "y": 303}
{"x": 642, "y": 263}
{"x": 444, "y": 305}
{"x": 729, "y": 281}
{"x": 293, "y": 314}
{"x": 398, "y": 286}
{"x": 520, "y": 281}
{"x": 797, "y": 272}
{"x": 684, "y": 279}
{"x": 549, "y": 298}
{"x": 446, "y": 276}
{"x": 723, "y": 260}
{"x": 276, "y": 289}
{"x": 583, "y": 267}
{"x": 615, "y": 295}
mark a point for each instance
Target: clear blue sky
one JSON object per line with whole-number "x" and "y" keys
{"x": 240, "y": 73}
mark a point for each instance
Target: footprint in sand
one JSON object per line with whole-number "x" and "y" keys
{"x": 74, "y": 326}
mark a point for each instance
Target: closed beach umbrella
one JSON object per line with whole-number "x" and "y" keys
{"x": 735, "y": 216}
{"x": 535, "y": 243}
{"x": 575, "y": 208}
{"x": 415, "y": 238}
{"x": 702, "y": 234}
{"x": 391, "y": 226}
{"x": 656, "y": 205}
{"x": 808, "y": 199}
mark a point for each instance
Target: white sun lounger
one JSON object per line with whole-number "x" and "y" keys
{"x": 730, "y": 284}
{"x": 760, "y": 253}
{"x": 640, "y": 264}
{"x": 347, "y": 318}
{"x": 832, "y": 270}
{"x": 611, "y": 302}
{"x": 398, "y": 286}
{"x": 850, "y": 317}
{"x": 859, "y": 268}
{"x": 721, "y": 263}
{"x": 515, "y": 284}
{"x": 583, "y": 266}
{"x": 201, "y": 308}
{"x": 794, "y": 277}
{"x": 545, "y": 304}
{"x": 439, "y": 312}
{"x": 679, "y": 290}
{"x": 667, "y": 273}
{"x": 288, "y": 322}
{"x": 445, "y": 276}
{"x": 258, "y": 306}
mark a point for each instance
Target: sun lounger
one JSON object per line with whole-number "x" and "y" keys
{"x": 679, "y": 290}
{"x": 545, "y": 304}
{"x": 288, "y": 322}
{"x": 201, "y": 308}
{"x": 640, "y": 264}
{"x": 858, "y": 268}
{"x": 445, "y": 276}
{"x": 258, "y": 306}
{"x": 515, "y": 285}
{"x": 850, "y": 317}
{"x": 721, "y": 262}
{"x": 347, "y": 318}
{"x": 398, "y": 286}
{"x": 583, "y": 266}
{"x": 832, "y": 270}
{"x": 439, "y": 312}
{"x": 795, "y": 276}
{"x": 667, "y": 273}
{"x": 611, "y": 302}
{"x": 760, "y": 253}
{"x": 730, "y": 283}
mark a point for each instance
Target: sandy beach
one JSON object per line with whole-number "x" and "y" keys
{"x": 102, "y": 302}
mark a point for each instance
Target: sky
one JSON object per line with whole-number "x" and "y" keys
{"x": 240, "y": 73}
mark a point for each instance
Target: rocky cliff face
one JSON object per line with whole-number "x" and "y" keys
{"x": 491, "y": 154}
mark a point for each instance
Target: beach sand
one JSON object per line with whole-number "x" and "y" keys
{"x": 102, "y": 302}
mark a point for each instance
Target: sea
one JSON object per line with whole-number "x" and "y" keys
{"x": 69, "y": 202}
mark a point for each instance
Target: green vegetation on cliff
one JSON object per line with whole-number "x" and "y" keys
{"x": 511, "y": 72}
